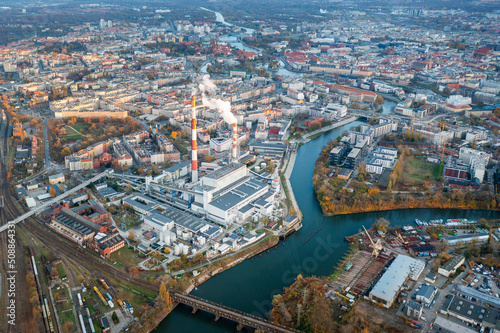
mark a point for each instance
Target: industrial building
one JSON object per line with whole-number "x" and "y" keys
{"x": 470, "y": 312}
{"x": 451, "y": 265}
{"x": 227, "y": 190}
{"x": 400, "y": 270}
{"x": 480, "y": 237}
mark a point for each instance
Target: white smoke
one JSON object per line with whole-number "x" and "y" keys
{"x": 206, "y": 85}
{"x": 223, "y": 107}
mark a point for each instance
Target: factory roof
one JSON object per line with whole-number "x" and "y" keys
{"x": 184, "y": 220}
{"x": 491, "y": 300}
{"x": 158, "y": 220}
{"x": 464, "y": 308}
{"x": 141, "y": 202}
{"x": 224, "y": 171}
{"x": 238, "y": 194}
{"x": 451, "y": 264}
{"x": 178, "y": 166}
{"x": 389, "y": 284}
{"x": 451, "y": 326}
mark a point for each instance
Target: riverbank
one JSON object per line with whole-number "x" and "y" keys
{"x": 251, "y": 285}
{"x": 418, "y": 185}
{"x": 314, "y": 134}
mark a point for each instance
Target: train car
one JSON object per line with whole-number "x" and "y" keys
{"x": 82, "y": 323}
{"x": 35, "y": 270}
{"x": 43, "y": 310}
{"x": 109, "y": 296}
{"x": 47, "y": 306}
{"x": 80, "y": 300}
{"x": 92, "y": 329}
{"x": 111, "y": 305}
{"x": 120, "y": 303}
{"x": 100, "y": 295}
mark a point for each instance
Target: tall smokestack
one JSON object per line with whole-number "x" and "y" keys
{"x": 194, "y": 154}
{"x": 235, "y": 142}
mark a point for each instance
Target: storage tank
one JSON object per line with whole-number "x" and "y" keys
{"x": 179, "y": 232}
{"x": 185, "y": 249}
{"x": 178, "y": 249}
{"x": 167, "y": 238}
{"x": 257, "y": 169}
{"x": 173, "y": 237}
{"x": 185, "y": 235}
{"x": 263, "y": 164}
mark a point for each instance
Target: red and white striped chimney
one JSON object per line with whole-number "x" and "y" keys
{"x": 194, "y": 154}
{"x": 235, "y": 141}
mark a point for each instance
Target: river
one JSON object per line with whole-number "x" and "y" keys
{"x": 251, "y": 285}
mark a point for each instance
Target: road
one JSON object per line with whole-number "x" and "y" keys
{"x": 55, "y": 200}
{"x": 326, "y": 128}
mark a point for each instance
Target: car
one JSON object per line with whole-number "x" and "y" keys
{"x": 423, "y": 318}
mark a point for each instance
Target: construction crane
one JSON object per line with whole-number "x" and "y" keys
{"x": 340, "y": 295}
{"x": 401, "y": 237}
{"x": 377, "y": 247}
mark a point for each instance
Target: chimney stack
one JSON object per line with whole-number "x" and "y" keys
{"x": 194, "y": 154}
{"x": 235, "y": 142}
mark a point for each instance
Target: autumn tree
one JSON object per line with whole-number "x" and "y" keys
{"x": 131, "y": 236}
{"x": 53, "y": 192}
{"x": 133, "y": 271}
{"x": 381, "y": 224}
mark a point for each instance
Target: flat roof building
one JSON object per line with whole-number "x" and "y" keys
{"x": 399, "y": 271}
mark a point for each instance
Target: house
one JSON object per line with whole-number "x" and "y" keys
{"x": 426, "y": 294}
{"x": 56, "y": 179}
{"x": 413, "y": 309}
{"x": 431, "y": 278}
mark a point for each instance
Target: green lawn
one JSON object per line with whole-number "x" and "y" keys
{"x": 79, "y": 127}
{"x": 416, "y": 170}
{"x": 72, "y": 133}
{"x": 60, "y": 270}
{"x": 126, "y": 257}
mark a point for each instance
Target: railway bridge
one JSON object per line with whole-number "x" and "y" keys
{"x": 243, "y": 319}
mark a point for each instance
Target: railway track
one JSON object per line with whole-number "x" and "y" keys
{"x": 24, "y": 321}
{"x": 67, "y": 251}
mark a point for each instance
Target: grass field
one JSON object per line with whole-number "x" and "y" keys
{"x": 418, "y": 170}
{"x": 78, "y": 127}
{"x": 126, "y": 257}
{"x": 72, "y": 133}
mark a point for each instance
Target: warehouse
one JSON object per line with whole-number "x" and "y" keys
{"x": 399, "y": 271}
{"x": 451, "y": 265}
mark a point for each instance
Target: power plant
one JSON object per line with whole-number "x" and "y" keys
{"x": 235, "y": 142}
{"x": 194, "y": 154}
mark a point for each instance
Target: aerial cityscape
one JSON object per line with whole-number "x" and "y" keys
{"x": 261, "y": 166}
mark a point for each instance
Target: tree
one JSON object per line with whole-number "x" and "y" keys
{"x": 131, "y": 236}
{"x": 53, "y": 192}
{"x": 133, "y": 271}
{"x": 379, "y": 100}
{"x": 114, "y": 316}
{"x": 165, "y": 295}
{"x": 66, "y": 151}
{"x": 381, "y": 224}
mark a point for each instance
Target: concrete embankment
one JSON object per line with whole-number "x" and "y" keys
{"x": 291, "y": 160}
